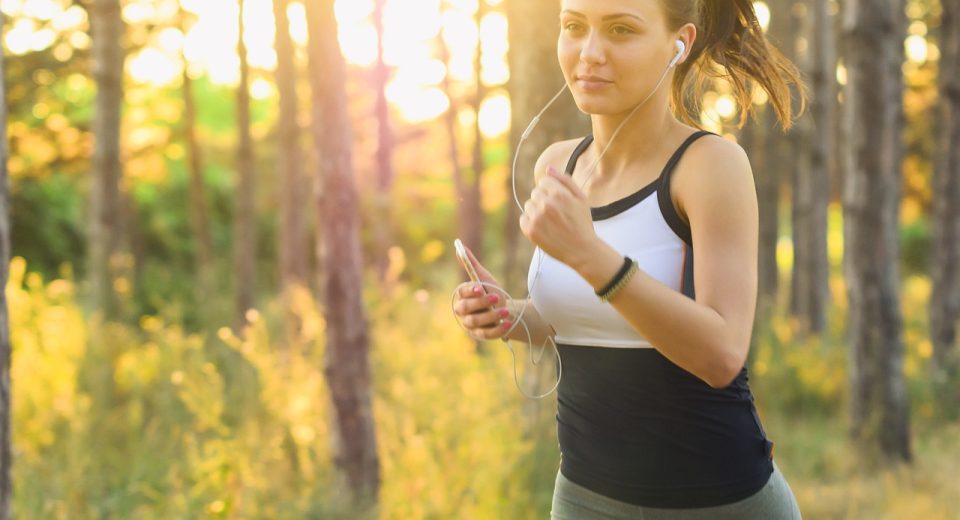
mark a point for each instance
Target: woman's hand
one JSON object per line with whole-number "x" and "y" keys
{"x": 482, "y": 311}
{"x": 557, "y": 219}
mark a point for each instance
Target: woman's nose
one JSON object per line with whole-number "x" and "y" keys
{"x": 592, "y": 51}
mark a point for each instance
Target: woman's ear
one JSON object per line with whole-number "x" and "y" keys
{"x": 688, "y": 35}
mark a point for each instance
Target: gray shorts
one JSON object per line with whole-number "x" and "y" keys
{"x": 774, "y": 501}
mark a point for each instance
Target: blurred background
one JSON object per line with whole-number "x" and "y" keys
{"x": 227, "y": 236}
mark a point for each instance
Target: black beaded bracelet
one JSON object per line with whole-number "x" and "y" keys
{"x": 627, "y": 262}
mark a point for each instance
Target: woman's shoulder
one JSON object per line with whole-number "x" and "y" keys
{"x": 556, "y": 154}
{"x": 712, "y": 153}
{"x": 709, "y": 162}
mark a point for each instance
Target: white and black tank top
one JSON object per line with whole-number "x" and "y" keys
{"x": 631, "y": 424}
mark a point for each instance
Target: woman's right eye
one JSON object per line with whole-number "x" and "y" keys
{"x": 572, "y": 26}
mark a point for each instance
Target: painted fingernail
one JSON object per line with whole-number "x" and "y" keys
{"x": 494, "y": 298}
{"x": 476, "y": 290}
{"x": 504, "y": 313}
{"x": 507, "y": 324}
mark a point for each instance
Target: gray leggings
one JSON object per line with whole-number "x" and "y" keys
{"x": 774, "y": 501}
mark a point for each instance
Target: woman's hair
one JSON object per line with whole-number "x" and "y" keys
{"x": 730, "y": 44}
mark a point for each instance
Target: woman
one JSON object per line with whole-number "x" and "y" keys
{"x": 655, "y": 417}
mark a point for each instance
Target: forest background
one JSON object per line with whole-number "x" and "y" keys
{"x": 227, "y": 245}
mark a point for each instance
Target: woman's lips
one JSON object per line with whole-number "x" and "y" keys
{"x": 588, "y": 83}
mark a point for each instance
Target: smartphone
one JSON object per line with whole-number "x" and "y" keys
{"x": 465, "y": 262}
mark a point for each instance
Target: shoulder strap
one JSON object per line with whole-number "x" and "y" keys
{"x": 677, "y": 155}
{"x": 572, "y": 163}
{"x": 666, "y": 201}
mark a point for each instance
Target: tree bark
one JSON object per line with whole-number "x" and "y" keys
{"x": 472, "y": 226}
{"x": 453, "y": 147}
{"x": 106, "y": 29}
{"x": 945, "y": 299}
{"x": 779, "y": 152}
{"x": 244, "y": 226}
{"x": 385, "y": 144}
{"x": 755, "y": 137}
{"x": 873, "y": 32}
{"x": 6, "y": 454}
{"x": 203, "y": 245}
{"x": 346, "y": 361}
{"x": 811, "y": 184}
{"x": 535, "y": 77}
{"x": 293, "y": 232}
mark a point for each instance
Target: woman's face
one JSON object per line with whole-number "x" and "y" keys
{"x": 613, "y": 52}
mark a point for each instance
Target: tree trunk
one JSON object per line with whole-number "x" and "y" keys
{"x": 812, "y": 187}
{"x": 381, "y": 75}
{"x": 203, "y": 245}
{"x": 755, "y": 138}
{"x": 293, "y": 233}
{"x": 346, "y": 360}
{"x": 244, "y": 229}
{"x": 453, "y": 148}
{"x": 873, "y": 119}
{"x": 106, "y": 29}
{"x": 472, "y": 226}
{"x": 811, "y": 192}
{"x": 465, "y": 193}
{"x": 945, "y": 299}
{"x": 535, "y": 77}
{"x": 779, "y": 153}
{"x": 6, "y": 457}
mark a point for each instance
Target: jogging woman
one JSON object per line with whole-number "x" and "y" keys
{"x": 646, "y": 267}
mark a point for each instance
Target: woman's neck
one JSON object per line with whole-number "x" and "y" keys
{"x": 640, "y": 139}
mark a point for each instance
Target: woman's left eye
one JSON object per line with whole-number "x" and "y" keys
{"x": 622, "y": 29}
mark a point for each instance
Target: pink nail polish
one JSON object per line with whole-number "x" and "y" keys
{"x": 494, "y": 298}
{"x": 504, "y": 313}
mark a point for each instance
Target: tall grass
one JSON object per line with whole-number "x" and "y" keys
{"x": 149, "y": 421}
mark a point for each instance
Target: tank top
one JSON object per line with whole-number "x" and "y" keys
{"x": 631, "y": 424}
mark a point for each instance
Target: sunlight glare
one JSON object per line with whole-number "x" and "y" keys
{"x": 258, "y": 33}
{"x": 44, "y": 10}
{"x": 11, "y": 8}
{"x": 916, "y": 48}
{"x": 74, "y": 17}
{"x": 417, "y": 104}
{"x": 493, "y": 33}
{"x": 171, "y": 40}
{"x": 763, "y": 14}
{"x": 262, "y": 89}
{"x": 153, "y": 66}
{"x": 495, "y": 116}
{"x": 468, "y": 6}
{"x": 137, "y": 12}
{"x": 353, "y": 11}
{"x": 726, "y": 106}
{"x": 297, "y": 16}
{"x": 421, "y": 74}
{"x": 18, "y": 39}
{"x": 359, "y": 45}
{"x": 460, "y": 34}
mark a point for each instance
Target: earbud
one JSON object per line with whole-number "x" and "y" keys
{"x": 681, "y": 48}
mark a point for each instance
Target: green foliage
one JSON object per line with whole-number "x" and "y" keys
{"x": 151, "y": 421}
{"x": 48, "y": 223}
{"x": 915, "y": 246}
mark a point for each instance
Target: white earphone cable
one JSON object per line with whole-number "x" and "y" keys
{"x": 519, "y": 318}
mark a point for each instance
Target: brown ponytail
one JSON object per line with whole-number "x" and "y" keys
{"x": 730, "y": 44}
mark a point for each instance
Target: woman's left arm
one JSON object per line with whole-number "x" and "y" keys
{"x": 709, "y": 336}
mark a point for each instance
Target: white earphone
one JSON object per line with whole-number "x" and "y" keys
{"x": 681, "y": 47}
